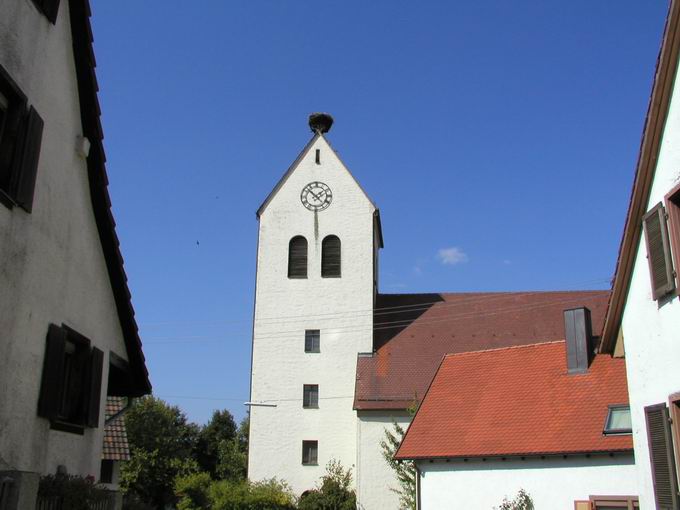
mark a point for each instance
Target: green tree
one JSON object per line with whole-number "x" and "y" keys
{"x": 232, "y": 462}
{"x": 405, "y": 470}
{"x": 161, "y": 446}
{"x": 334, "y": 492}
{"x": 217, "y": 435}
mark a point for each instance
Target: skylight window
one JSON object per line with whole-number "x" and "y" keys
{"x": 618, "y": 421}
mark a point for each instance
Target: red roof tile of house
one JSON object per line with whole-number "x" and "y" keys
{"x": 115, "y": 436}
{"x": 517, "y": 401}
{"x": 414, "y": 331}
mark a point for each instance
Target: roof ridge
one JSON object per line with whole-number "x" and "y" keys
{"x": 537, "y": 344}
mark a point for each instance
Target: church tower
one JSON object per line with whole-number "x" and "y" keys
{"x": 319, "y": 236}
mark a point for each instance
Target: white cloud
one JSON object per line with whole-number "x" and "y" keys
{"x": 452, "y": 256}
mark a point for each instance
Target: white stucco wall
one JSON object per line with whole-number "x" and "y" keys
{"x": 375, "y": 478}
{"x": 341, "y": 308}
{"x": 52, "y": 268}
{"x": 651, "y": 329}
{"x": 553, "y": 484}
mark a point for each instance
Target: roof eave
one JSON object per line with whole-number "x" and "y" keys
{"x": 81, "y": 33}
{"x": 502, "y": 456}
{"x": 657, "y": 112}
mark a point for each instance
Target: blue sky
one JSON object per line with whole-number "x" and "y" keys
{"x": 499, "y": 140}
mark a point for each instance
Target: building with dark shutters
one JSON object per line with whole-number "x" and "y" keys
{"x": 643, "y": 318}
{"x": 67, "y": 328}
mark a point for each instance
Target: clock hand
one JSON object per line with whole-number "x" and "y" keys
{"x": 316, "y": 196}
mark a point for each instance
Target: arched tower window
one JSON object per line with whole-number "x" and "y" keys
{"x": 330, "y": 257}
{"x": 297, "y": 257}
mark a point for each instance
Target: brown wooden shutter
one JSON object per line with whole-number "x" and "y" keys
{"x": 658, "y": 252}
{"x": 330, "y": 257}
{"x": 297, "y": 257}
{"x": 51, "y": 9}
{"x": 52, "y": 375}
{"x": 95, "y": 387}
{"x": 28, "y": 155}
{"x": 662, "y": 459}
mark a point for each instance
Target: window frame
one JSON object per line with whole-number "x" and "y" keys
{"x": 314, "y": 347}
{"x": 672, "y": 202}
{"x": 324, "y": 272}
{"x": 57, "y": 386}
{"x": 20, "y": 143}
{"x": 615, "y": 432}
{"x": 306, "y": 459}
{"x": 310, "y": 396}
{"x": 674, "y": 413}
{"x": 626, "y": 502}
{"x": 292, "y": 275}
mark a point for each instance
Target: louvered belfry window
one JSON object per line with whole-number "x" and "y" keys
{"x": 662, "y": 459}
{"x": 297, "y": 257}
{"x": 659, "y": 252}
{"x": 330, "y": 257}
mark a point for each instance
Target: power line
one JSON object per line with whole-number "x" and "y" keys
{"x": 294, "y": 334}
{"x": 379, "y": 310}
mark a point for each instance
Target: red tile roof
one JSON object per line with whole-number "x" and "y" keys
{"x": 414, "y": 331}
{"x": 517, "y": 401}
{"x": 115, "y": 436}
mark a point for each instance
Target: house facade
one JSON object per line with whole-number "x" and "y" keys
{"x": 334, "y": 361}
{"x": 69, "y": 337}
{"x": 643, "y": 318}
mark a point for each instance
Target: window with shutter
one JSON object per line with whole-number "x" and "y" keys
{"x": 50, "y": 8}
{"x": 673, "y": 210}
{"x": 661, "y": 456}
{"x": 658, "y": 252}
{"x": 71, "y": 381}
{"x": 330, "y": 257}
{"x": 20, "y": 140}
{"x": 297, "y": 257}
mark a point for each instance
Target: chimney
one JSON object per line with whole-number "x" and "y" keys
{"x": 320, "y": 122}
{"x": 579, "y": 337}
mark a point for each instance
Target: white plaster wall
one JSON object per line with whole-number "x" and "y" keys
{"x": 52, "y": 268}
{"x": 375, "y": 478}
{"x": 340, "y": 307}
{"x": 651, "y": 329}
{"x": 553, "y": 484}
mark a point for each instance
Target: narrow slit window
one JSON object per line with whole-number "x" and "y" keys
{"x": 297, "y": 257}
{"x": 318, "y": 156}
{"x": 331, "y": 257}
{"x": 312, "y": 340}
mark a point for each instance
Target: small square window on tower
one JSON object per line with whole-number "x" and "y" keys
{"x": 310, "y": 396}
{"x": 312, "y": 340}
{"x": 310, "y": 453}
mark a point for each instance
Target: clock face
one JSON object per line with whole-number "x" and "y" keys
{"x": 316, "y": 196}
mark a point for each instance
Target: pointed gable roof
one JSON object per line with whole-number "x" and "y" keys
{"x": 294, "y": 166}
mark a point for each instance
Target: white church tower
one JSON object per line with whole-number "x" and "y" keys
{"x": 319, "y": 236}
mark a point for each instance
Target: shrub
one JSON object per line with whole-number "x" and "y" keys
{"x": 334, "y": 493}
{"x": 73, "y": 492}
{"x": 267, "y": 495}
{"x": 192, "y": 491}
{"x": 521, "y": 502}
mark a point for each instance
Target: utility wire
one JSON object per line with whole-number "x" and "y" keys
{"x": 472, "y": 296}
{"x": 378, "y": 326}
